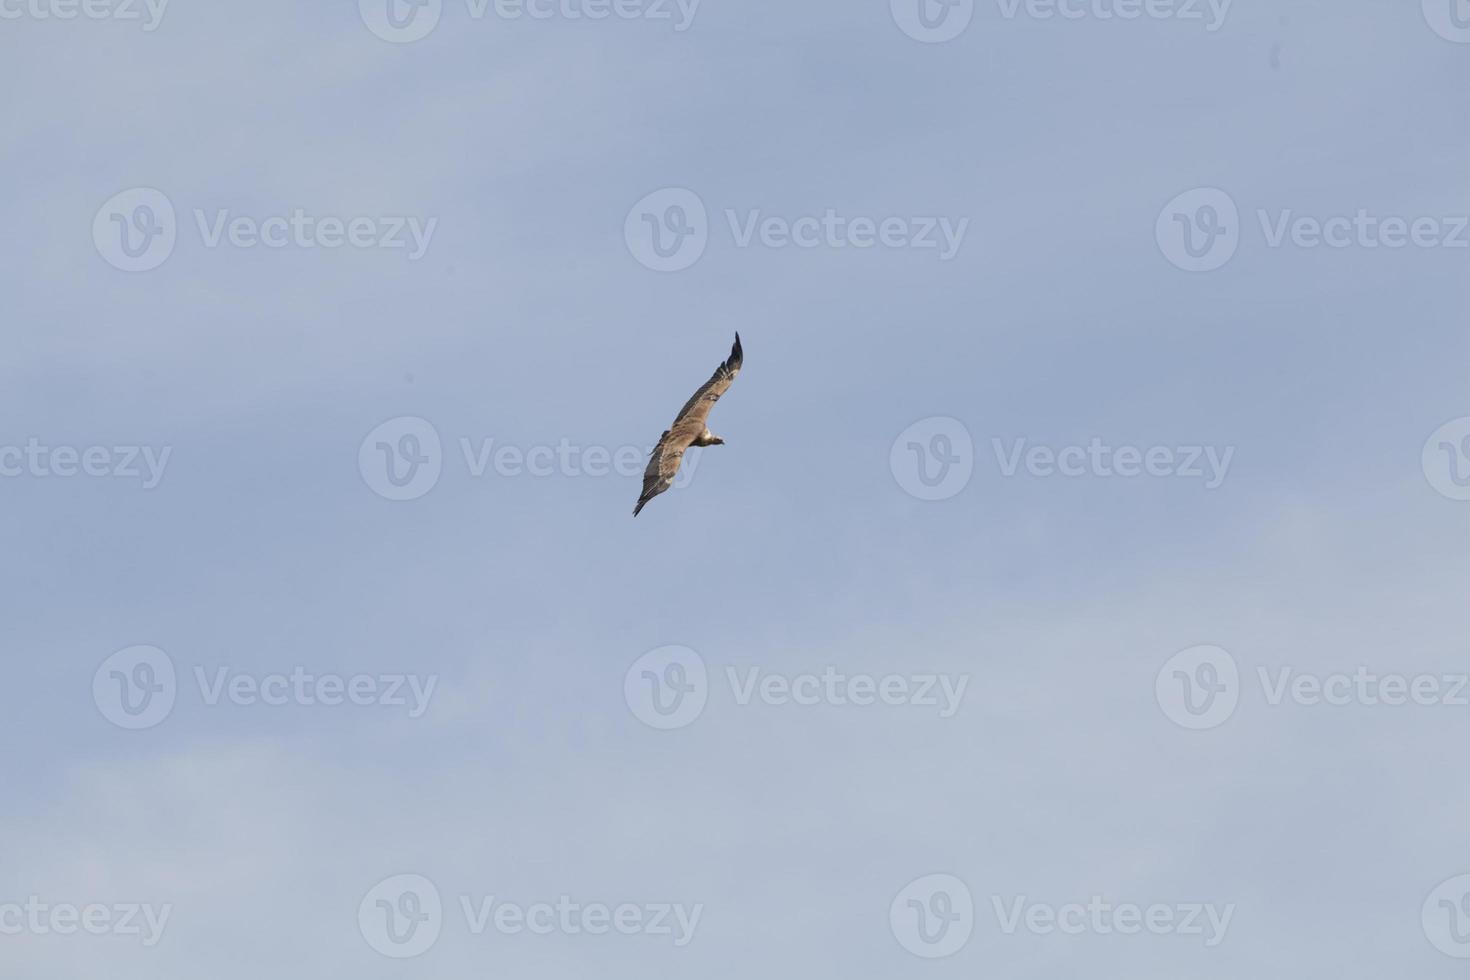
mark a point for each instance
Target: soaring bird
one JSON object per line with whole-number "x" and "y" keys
{"x": 689, "y": 429}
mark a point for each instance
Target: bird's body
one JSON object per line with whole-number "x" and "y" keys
{"x": 690, "y": 428}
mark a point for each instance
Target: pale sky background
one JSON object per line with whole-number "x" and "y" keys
{"x": 795, "y": 548}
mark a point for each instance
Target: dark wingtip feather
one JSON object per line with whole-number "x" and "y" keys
{"x": 737, "y": 353}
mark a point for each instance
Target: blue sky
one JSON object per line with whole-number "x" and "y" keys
{"x": 1077, "y": 763}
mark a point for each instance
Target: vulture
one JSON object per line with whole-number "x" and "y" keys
{"x": 689, "y": 429}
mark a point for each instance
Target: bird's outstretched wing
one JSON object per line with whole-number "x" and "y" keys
{"x": 695, "y": 412}
{"x": 663, "y": 463}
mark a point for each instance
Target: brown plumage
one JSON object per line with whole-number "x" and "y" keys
{"x": 690, "y": 428}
